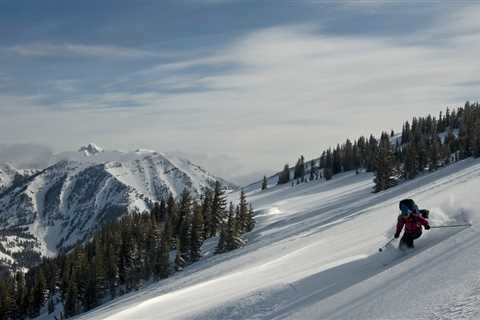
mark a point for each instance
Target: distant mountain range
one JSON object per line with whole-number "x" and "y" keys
{"x": 45, "y": 211}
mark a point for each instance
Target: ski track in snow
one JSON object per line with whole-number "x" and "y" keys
{"x": 314, "y": 255}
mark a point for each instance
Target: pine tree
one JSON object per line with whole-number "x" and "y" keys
{"x": 434, "y": 154}
{"x": 243, "y": 213}
{"x": 264, "y": 183}
{"x": 180, "y": 262}
{"x": 162, "y": 262}
{"x": 313, "y": 171}
{"x": 476, "y": 139}
{"x": 337, "y": 160}
{"x": 422, "y": 154}
{"x": 207, "y": 212}
{"x": 327, "y": 173}
{"x": 218, "y": 209}
{"x": 111, "y": 264}
{"x": 38, "y": 293}
{"x": 233, "y": 240}
{"x": 250, "y": 220}
{"x": 20, "y": 291}
{"x": 371, "y": 153}
{"x": 348, "y": 156}
{"x": 284, "y": 176}
{"x": 90, "y": 299}
{"x": 229, "y": 236}
{"x": 8, "y": 307}
{"x": 410, "y": 166}
{"x": 3, "y": 299}
{"x": 71, "y": 303}
{"x": 197, "y": 234}
{"x": 99, "y": 268}
{"x": 384, "y": 165}
{"x": 172, "y": 214}
{"x": 221, "y": 244}
{"x": 299, "y": 170}
{"x": 183, "y": 228}
{"x": 51, "y": 306}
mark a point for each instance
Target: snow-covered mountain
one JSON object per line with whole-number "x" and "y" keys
{"x": 63, "y": 204}
{"x": 9, "y": 174}
{"x": 314, "y": 255}
{"x": 90, "y": 149}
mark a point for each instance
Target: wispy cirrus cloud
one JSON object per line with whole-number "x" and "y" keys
{"x": 70, "y": 49}
{"x": 266, "y": 96}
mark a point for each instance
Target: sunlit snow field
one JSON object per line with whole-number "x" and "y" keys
{"x": 314, "y": 255}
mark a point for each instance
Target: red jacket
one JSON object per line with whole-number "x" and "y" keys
{"x": 413, "y": 224}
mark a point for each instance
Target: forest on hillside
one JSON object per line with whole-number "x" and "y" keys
{"x": 425, "y": 144}
{"x": 126, "y": 254}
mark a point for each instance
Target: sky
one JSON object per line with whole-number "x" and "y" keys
{"x": 239, "y": 87}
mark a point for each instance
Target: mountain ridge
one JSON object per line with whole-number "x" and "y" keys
{"x": 55, "y": 208}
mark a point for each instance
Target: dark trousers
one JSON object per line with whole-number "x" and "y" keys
{"x": 407, "y": 239}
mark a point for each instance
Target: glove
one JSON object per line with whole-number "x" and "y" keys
{"x": 427, "y": 227}
{"x": 397, "y": 235}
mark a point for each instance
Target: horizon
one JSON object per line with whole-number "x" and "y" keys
{"x": 237, "y": 87}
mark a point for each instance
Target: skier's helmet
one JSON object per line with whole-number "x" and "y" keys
{"x": 407, "y": 206}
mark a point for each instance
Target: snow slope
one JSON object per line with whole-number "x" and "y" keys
{"x": 314, "y": 255}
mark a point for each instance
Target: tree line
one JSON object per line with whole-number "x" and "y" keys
{"x": 425, "y": 144}
{"x": 125, "y": 254}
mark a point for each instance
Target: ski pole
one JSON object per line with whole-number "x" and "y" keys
{"x": 452, "y": 226}
{"x": 386, "y": 244}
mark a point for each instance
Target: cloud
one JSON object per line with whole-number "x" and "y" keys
{"x": 268, "y": 96}
{"x": 69, "y": 49}
{"x": 26, "y": 156}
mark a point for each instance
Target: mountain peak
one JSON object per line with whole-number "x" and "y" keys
{"x": 90, "y": 149}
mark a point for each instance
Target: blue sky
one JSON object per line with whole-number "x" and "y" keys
{"x": 239, "y": 87}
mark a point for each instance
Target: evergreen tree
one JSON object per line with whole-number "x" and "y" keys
{"x": 435, "y": 154}
{"x": 38, "y": 293}
{"x": 218, "y": 209}
{"x": 284, "y": 176}
{"x": 476, "y": 139}
{"x": 221, "y": 244}
{"x": 243, "y": 213}
{"x": 173, "y": 218}
{"x": 163, "y": 262}
{"x": 384, "y": 165}
{"x": 233, "y": 240}
{"x": 207, "y": 213}
{"x": 411, "y": 164}
{"x": 111, "y": 265}
{"x": 99, "y": 282}
{"x": 299, "y": 170}
{"x": 51, "y": 306}
{"x": 327, "y": 173}
{"x": 180, "y": 262}
{"x": 313, "y": 171}
{"x": 197, "y": 234}
{"x": 184, "y": 227}
{"x": 229, "y": 236}
{"x": 20, "y": 292}
{"x": 8, "y": 308}
{"x": 264, "y": 183}
{"x": 71, "y": 303}
{"x": 422, "y": 154}
{"x": 250, "y": 220}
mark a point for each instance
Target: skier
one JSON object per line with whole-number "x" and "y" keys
{"x": 413, "y": 219}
